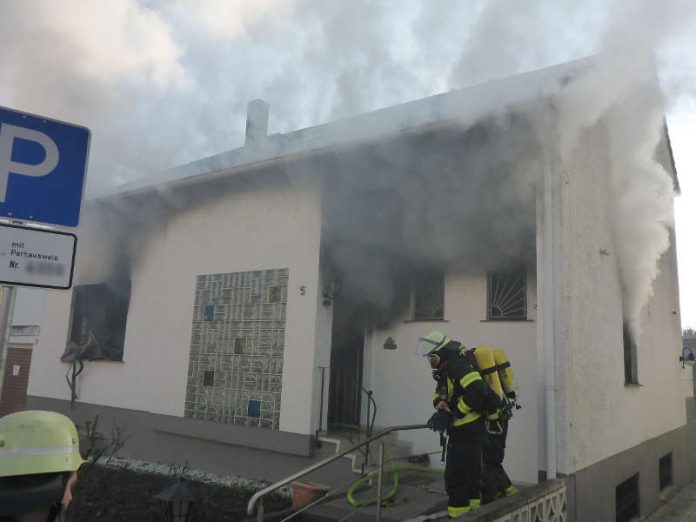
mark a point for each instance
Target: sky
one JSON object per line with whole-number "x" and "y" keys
{"x": 163, "y": 82}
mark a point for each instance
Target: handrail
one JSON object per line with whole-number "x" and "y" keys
{"x": 317, "y": 442}
{"x": 370, "y": 420}
{"x": 369, "y": 424}
{"x": 309, "y": 469}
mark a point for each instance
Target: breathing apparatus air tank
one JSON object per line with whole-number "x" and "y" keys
{"x": 505, "y": 373}
{"x": 488, "y": 369}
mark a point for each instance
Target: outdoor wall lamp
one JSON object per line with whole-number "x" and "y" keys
{"x": 176, "y": 503}
{"x": 331, "y": 291}
{"x": 687, "y": 357}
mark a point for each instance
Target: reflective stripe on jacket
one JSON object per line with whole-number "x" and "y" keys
{"x": 464, "y": 397}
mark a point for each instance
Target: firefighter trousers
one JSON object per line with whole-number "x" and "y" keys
{"x": 494, "y": 481}
{"x": 463, "y": 465}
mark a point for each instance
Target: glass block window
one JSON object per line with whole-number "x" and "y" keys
{"x": 238, "y": 333}
{"x": 429, "y": 297}
{"x": 254, "y": 409}
{"x": 627, "y": 500}
{"x": 665, "y": 467}
{"x": 507, "y": 295}
{"x": 209, "y": 378}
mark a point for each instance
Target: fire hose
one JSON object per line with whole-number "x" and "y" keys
{"x": 394, "y": 470}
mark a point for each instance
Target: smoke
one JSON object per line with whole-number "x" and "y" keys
{"x": 456, "y": 197}
{"x": 641, "y": 190}
{"x": 622, "y": 90}
{"x": 162, "y": 83}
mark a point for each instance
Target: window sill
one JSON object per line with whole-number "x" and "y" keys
{"x": 633, "y": 385}
{"x": 506, "y": 320}
{"x": 92, "y": 361}
{"x": 426, "y": 320}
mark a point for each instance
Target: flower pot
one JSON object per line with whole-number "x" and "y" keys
{"x": 304, "y": 493}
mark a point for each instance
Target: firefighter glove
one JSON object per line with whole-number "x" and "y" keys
{"x": 492, "y": 403}
{"x": 440, "y": 421}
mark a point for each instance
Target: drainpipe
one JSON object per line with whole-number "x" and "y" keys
{"x": 549, "y": 288}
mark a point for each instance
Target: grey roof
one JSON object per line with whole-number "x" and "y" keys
{"x": 466, "y": 106}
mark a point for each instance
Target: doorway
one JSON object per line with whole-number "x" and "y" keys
{"x": 347, "y": 344}
{"x": 14, "y": 390}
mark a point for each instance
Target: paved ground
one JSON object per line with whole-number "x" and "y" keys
{"x": 681, "y": 508}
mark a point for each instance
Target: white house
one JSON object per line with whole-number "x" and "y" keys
{"x": 218, "y": 302}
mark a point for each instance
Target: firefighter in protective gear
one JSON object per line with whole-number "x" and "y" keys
{"x": 39, "y": 457}
{"x": 495, "y": 482}
{"x": 461, "y": 399}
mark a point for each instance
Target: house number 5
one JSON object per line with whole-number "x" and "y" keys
{"x": 302, "y": 290}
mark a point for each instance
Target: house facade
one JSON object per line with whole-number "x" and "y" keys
{"x": 226, "y": 315}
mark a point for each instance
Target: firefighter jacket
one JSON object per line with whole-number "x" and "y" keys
{"x": 463, "y": 389}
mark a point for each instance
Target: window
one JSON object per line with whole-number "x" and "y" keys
{"x": 98, "y": 324}
{"x": 627, "y": 500}
{"x": 630, "y": 357}
{"x": 209, "y": 378}
{"x": 429, "y": 297}
{"x": 665, "y": 466}
{"x": 209, "y": 313}
{"x": 507, "y": 296}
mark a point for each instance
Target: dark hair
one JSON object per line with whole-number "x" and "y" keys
{"x": 25, "y": 493}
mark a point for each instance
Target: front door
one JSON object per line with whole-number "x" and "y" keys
{"x": 345, "y": 389}
{"x": 16, "y": 380}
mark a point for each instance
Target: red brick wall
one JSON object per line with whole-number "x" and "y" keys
{"x": 14, "y": 389}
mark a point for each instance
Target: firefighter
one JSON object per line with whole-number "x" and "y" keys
{"x": 39, "y": 458}
{"x": 495, "y": 482}
{"x": 461, "y": 400}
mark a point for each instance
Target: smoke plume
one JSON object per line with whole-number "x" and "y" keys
{"x": 162, "y": 83}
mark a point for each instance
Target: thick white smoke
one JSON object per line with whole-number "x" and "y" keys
{"x": 621, "y": 89}
{"x": 164, "y": 82}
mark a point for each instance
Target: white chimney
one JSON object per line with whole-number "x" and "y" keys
{"x": 257, "y": 121}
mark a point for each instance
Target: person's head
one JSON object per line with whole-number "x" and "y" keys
{"x": 39, "y": 457}
{"x": 433, "y": 346}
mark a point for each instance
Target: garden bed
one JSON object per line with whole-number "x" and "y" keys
{"x": 124, "y": 493}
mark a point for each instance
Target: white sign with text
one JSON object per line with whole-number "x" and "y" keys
{"x": 35, "y": 257}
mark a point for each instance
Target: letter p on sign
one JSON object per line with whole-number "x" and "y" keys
{"x": 8, "y": 134}
{"x": 43, "y": 163}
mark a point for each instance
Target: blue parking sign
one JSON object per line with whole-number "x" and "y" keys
{"x": 42, "y": 168}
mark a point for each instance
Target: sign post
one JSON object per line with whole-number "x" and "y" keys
{"x": 43, "y": 163}
{"x": 7, "y": 297}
